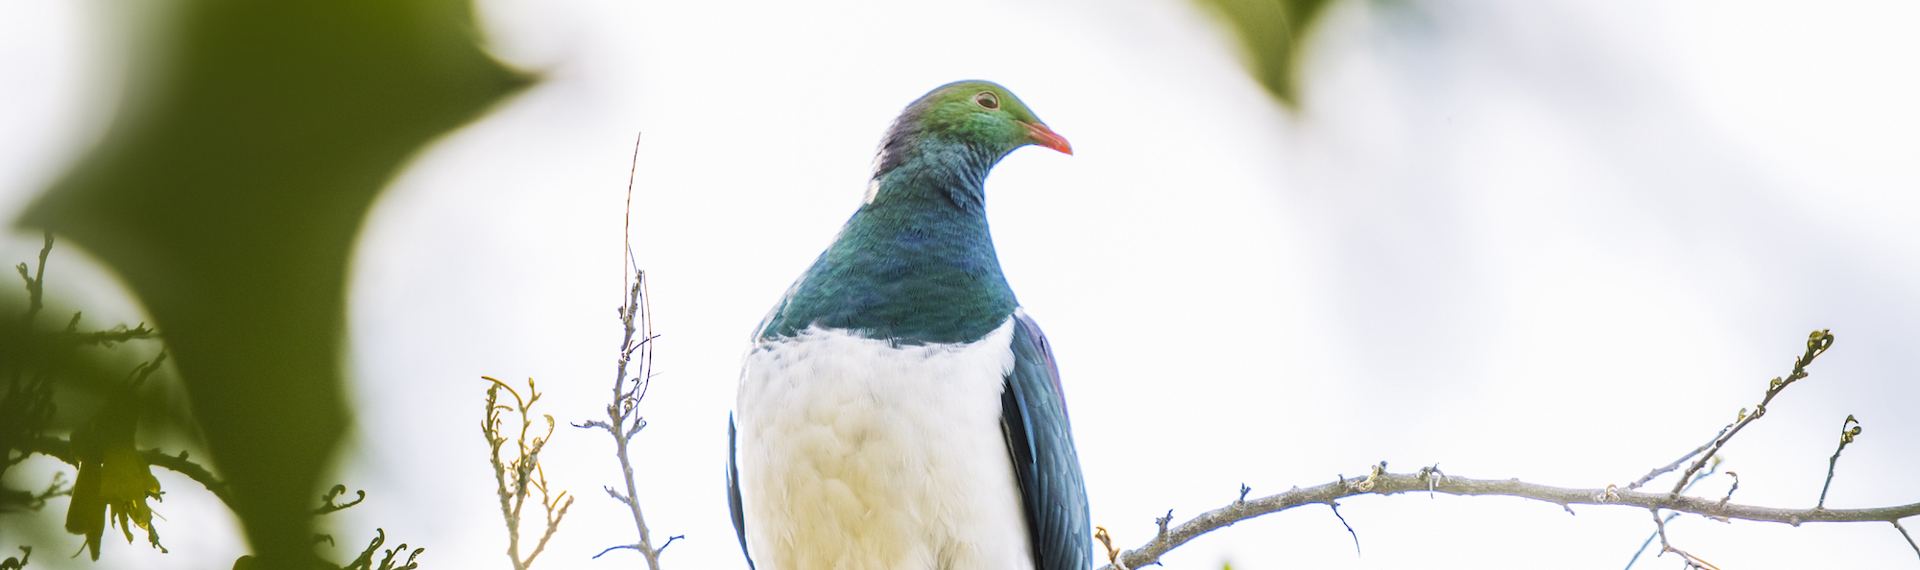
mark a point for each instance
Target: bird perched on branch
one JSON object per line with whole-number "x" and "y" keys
{"x": 898, "y": 409}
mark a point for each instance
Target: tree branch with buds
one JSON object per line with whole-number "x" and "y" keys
{"x": 1430, "y": 479}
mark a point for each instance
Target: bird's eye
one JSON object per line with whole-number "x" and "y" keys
{"x": 987, "y": 100}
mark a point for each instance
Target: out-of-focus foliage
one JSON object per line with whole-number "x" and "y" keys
{"x": 114, "y": 478}
{"x": 365, "y": 561}
{"x": 1273, "y": 33}
{"x": 12, "y": 563}
{"x": 59, "y": 379}
{"x": 228, "y": 196}
{"x": 38, "y": 351}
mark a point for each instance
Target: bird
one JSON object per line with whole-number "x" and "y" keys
{"x": 897, "y": 408}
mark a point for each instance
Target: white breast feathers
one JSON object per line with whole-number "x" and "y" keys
{"x": 855, "y": 454}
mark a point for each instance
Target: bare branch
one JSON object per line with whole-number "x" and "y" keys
{"x": 1430, "y": 480}
{"x": 623, "y": 421}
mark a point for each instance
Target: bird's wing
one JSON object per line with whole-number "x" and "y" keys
{"x": 733, "y": 490}
{"x": 1034, "y": 418}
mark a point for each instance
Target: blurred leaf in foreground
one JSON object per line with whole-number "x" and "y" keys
{"x": 228, "y": 196}
{"x": 1273, "y": 33}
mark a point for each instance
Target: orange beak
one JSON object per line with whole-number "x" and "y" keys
{"x": 1044, "y": 136}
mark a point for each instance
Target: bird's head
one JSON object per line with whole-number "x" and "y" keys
{"x": 979, "y": 115}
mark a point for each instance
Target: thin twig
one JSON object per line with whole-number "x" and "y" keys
{"x": 36, "y": 283}
{"x": 626, "y": 224}
{"x": 613, "y": 548}
{"x": 1648, "y": 542}
{"x": 1903, "y": 534}
{"x": 1343, "y": 522}
{"x": 1846, "y": 437}
{"x": 1396, "y": 483}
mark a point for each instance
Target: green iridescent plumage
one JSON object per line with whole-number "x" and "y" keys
{"x": 916, "y": 263}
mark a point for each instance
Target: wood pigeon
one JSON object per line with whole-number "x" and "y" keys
{"x": 898, "y": 410}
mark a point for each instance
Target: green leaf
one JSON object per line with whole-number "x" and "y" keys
{"x": 1273, "y": 33}
{"x": 229, "y": 193}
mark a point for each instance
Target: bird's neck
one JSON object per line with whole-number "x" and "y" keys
{"x": 915, "y": 264}
{"x": 918, "y": 170}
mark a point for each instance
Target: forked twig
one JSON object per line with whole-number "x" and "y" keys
{"x": 1817, "y": 343}
{"x": 516, "y": 478}
{"x": 1660, "y": 527}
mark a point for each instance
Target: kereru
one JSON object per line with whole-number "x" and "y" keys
{"x": 898, "y": 410}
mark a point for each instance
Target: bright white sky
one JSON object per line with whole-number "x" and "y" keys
{"x": 1557, "y": 241}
